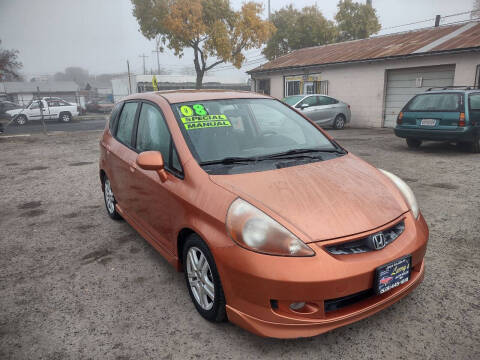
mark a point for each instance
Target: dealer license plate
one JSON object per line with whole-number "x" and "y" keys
{"x": 428, "y": 122}
{"x": 393, "y": 274}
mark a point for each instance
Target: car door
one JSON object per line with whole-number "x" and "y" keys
{"x": 309, "y": 106}
{"x": 474, "y": 111}
{"x": 53, "y": 108}
{"x": 122, "y": 157}
{"x": 33, "y": 110}
{"x": 326, "y": 109}
{"x": 156, "y": 200}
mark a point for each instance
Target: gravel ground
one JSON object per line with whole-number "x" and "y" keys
{"x": 76, "y": 285}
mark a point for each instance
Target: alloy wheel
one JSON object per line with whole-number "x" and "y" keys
{"x": 200, "y": 278}
{"x": 340, "y": 122}
{"x": 109, "y": 198}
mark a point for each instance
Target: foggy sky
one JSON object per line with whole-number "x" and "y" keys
{"x": 100, "y": 35}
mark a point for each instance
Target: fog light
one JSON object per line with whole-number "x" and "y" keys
{"x": 295, "y": 306}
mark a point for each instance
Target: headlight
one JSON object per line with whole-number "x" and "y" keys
{"x": 406, "y": 191}
{"x": 255, "y": 230}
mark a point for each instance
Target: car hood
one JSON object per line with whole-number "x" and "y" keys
{"x": 322, "y": 200}
{"x": 14, "y": 111}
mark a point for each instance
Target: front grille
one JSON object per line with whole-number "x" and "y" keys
{"x": 338, "y": 303}
{"x": 365, "y": 244}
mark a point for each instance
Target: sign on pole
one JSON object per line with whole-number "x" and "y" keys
{"x": 154, "y": 83}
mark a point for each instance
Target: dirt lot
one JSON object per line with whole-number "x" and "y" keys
{"x": 76, "y": 285}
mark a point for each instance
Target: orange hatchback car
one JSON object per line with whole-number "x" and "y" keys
{"x": 275, "y": 225}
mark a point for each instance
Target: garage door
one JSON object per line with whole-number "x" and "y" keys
{"x": 403, "y": 84}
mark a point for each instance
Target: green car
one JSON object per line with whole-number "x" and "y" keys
{"x": 449, "y": 114}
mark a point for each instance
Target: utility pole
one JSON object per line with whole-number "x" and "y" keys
{"x": 157, "y": 50}
{"x": 268, "y": 10}
{"x": 369, "y": 2}
{"x": 143, "y": 56}
{"x": 129, "y": 79}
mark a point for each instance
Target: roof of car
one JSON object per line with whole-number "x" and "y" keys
{"x": 178, "y": 96}
{"x": 451, "y": 90}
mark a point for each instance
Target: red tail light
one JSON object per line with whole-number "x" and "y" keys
{"x": 461, "y": 119}
{"x": 399, "y": 118}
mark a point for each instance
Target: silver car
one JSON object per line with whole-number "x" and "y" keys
{"x": 323, "y": 110}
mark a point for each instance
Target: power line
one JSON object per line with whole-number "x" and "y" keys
{"x": 426, "y": 20}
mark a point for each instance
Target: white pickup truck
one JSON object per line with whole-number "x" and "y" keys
{"x": 53, "y": 108}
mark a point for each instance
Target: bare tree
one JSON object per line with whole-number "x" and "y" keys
{"x": 9, "y": 65}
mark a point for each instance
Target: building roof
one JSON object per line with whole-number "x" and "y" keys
{"x": 17, "y": 87}
{"x": 426, "y": 41}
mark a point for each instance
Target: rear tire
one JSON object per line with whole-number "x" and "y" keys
{"x": 201, "y": 275}
{"x": 339, "y": 122}
{"x": 65, "y": 117}
{"x": 413, "y": 143}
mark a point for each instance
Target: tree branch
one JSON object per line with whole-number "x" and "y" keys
{"x": 214, "y": 64}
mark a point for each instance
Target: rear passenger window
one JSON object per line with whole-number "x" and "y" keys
{"x": 152, "y": 131}
{"x": 126, "y": 122}
{"x": 475, "y": 101}
{"x": 114, "y": 116}
{"x": 324, "y": 100}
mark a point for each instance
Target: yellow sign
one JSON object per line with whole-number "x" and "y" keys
{"x": 154, "y": 83}
{"x": 206, "y": 121}
{"x": 203, "y": 118}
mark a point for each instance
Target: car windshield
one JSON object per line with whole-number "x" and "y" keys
{"x": 435, "y": 102}
{"x": 292, "y": 100}
{"x": 246, "y": 128}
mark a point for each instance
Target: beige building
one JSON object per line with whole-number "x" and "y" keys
{"x": 378, "y": 75}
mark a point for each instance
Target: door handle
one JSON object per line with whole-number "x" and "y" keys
{"x": 133, "y": 167}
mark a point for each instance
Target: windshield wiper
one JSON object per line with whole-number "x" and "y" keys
{"x": 229, "y": 160}
{"x": 300, "y": 152}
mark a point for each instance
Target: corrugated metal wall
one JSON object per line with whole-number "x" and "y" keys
{"x": 403, "y": 84}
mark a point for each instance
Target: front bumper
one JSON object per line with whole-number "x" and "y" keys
{"x": 458, "y": 134}
{"x": 251, "y": 281}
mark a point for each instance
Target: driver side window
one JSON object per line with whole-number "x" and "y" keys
{"x": 152, "y": 133}
{"x": 309, "y": 101}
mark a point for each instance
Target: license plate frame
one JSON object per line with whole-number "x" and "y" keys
{"x": 428, "y": 122}
{"x": 392, "y": 274}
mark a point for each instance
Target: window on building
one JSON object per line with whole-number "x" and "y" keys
{"x": 292, "y": 87}
{"x": 321, "y": 87}
{"x": 263, "y": 86}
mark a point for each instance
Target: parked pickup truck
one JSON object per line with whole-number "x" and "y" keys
{"x": 52, "y": 108}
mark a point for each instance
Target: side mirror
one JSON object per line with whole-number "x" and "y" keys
{"x": 303, "y": 106}
{"x": 153, "y": 160}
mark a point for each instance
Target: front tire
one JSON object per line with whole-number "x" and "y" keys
{"x": 110, "y": 201}
{"x": 21, "y": 119}
{"x": 413, "y": 143}
{"x": 203, "y": 281}
{"x": 339, "y": 122}
{"x": 65, "y": 117}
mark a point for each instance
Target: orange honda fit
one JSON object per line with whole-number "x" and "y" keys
{"x": 275, "y": 225}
